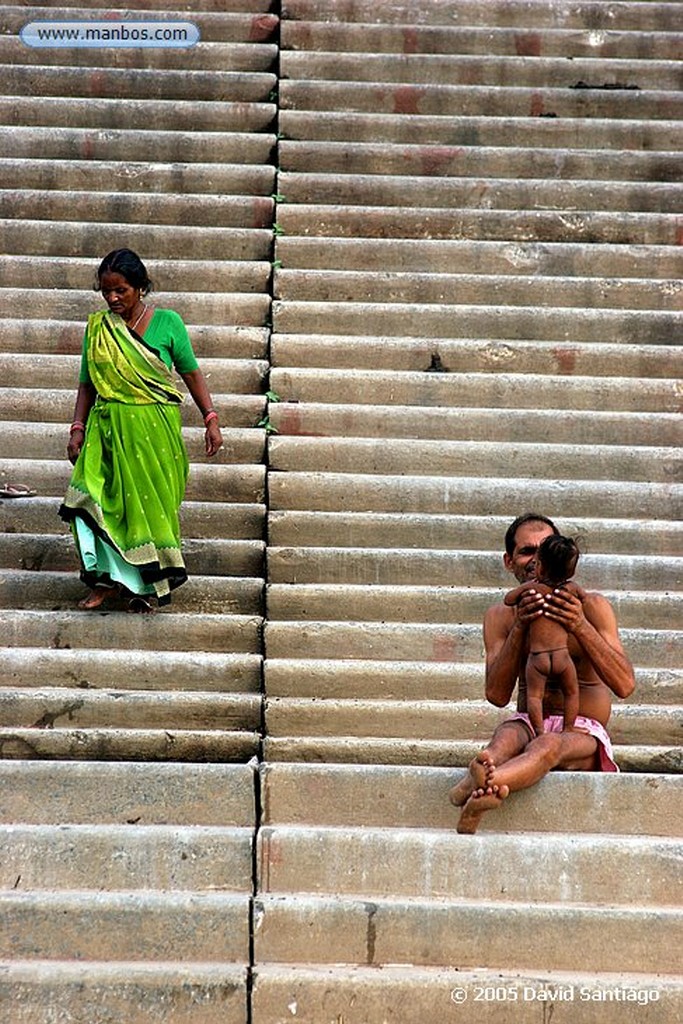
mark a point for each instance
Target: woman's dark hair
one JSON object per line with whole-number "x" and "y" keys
{"x": 557, "y": 556}
{"x": 129, "y": 265}
{"x": 527, "y": 517}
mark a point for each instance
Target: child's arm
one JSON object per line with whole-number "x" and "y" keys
{"x": 513, "y": 596}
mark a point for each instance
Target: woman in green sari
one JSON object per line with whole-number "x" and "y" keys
{"x": 126, "y": 445}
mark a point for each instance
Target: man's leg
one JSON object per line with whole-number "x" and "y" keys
{"x": 572, "y": 751}
{"x": 509, "y": 739}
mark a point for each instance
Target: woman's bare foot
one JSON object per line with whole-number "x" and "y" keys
{"x": 478, "y": 777}
{"x": 96, "y": 598}
{"x": 482, "y": 800}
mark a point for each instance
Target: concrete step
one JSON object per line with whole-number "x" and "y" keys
{"x": 214, "y": 26}
{"x": 48, "y": 477}
{"x": 199, "y": 519}
{"x": 312, "y": 285}
{"x": 66, "y": 143}
{"x": 103, "y": 744}
{"x": 35, "y": 370}
{"x": 435, "y": 863}
{"x": 325, "y": 929}
{"x": 64, "y": 337}
{"x": 336, "y": 492}
{"x": 125, "y": 84}
{"x": 27, "y": 405}
{"x": 469, "y": 458}
{"x": 48, "y": 441}
{"x": 503, "y": 390}
{"x": 459, "y": 532}
{"x": 501, "y": 225}
{"x": 110, "y": 630}
{"x": 513, "y": 323}
{"x": 499, "y": 13}
{"x": 251, "y": 309}
{"x": 56, "y": 553}
{"x": 416, "y": 38}
{"x": 139, "y": 993}
{"x": 175, "y": 671}
{"x": 390, "y": 796}
{"x": 408, "y": 421}
{"x": 405, "y": 680}
{"x": 122, "y": 858}
{"x": 452, "y": 603}
{"x": 354, "y": 750}
{"x": 445, "y": 722}
{"x": 59, "y": 591}
{"x": 324, "y": 639}
{"x": 131, "y": 709}
{"x": 413, "y": 994}
{"x": 478, "y": 193}
{"x": 550, "y": 162}
{"x": 509, "y": 72}
{"x": 453, "y": 256}
{"x": 422, "y": 91}
{"x": 192, "y": 926}
{"x": 385, "y": 566}
{"x": 38, "y": 793}
{"x": 212, "y": 210}
{"x": 473, "y": 355}
{"x": 170, "y": 115}
{"x": 560, "y": 133}
{"x": 168, "y": 276}
{"x": 65, "y": 238}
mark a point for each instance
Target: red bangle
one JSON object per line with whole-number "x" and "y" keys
{"x": 77, "y": 425}
{"x": 210, "y": 415}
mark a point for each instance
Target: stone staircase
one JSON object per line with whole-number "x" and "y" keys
{"x": 167, "y": 151}
{"x": 476, "y": 210}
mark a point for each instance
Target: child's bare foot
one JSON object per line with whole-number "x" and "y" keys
{"x": 482, "y": 800}
{"x": 478, "y": 776}
{"x": 96, "y": 598}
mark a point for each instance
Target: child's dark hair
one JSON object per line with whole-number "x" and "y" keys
{"x": 557, "y": 557}
{"x": 129, "y": 265}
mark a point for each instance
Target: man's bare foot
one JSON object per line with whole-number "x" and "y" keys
{"x": 478, "y": 777}
{"x": 96, "y": 598}
{"x": 482, "y": 800}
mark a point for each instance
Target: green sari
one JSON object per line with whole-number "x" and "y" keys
{"x": 129, "y": 480}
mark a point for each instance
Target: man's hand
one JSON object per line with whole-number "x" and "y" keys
{"x": 565, "y": 608}
{"x": 529, "y": 607}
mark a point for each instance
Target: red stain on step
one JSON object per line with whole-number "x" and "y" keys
{"x": 88, "y": 147}
{"x": 528, "y": 44}
{"x": 263, "y": 27}
{"x": 97, "y": 82}
{"x": 679, "y": 234}
{"x": 444, "y": 648}
{"x": 434, "y": 159}
{"x": 407, "y": 99}
{"x": 262, "y": 208}
{"x": 566, "y": 359}
{"x": 537, "y": 105}
{"x": 410, "y": 40}
{"x": 289, "y": 420}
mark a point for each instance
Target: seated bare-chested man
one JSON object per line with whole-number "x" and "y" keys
{"x": 516, "y": 757}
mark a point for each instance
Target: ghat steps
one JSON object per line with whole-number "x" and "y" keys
{"x": 444, "y": 236}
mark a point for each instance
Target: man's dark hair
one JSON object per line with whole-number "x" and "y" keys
{"x": 528, "y": 517}
{"x": 129, "y": 265}
{"x": 557, "y": 557}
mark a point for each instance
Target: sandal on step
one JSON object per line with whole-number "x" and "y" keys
{"x": 17, "y": 491}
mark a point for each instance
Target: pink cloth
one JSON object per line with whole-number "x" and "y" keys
{"x": 555, "y": 723}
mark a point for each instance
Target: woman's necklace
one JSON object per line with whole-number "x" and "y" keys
{"x": 144, "y": 310}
